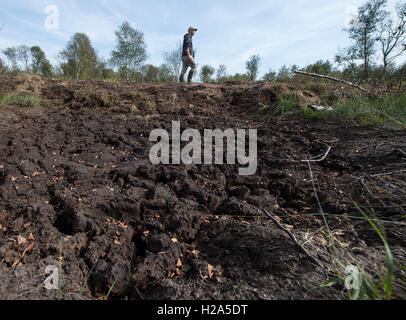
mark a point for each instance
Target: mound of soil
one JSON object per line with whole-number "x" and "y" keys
{"x": 77, "y": 188}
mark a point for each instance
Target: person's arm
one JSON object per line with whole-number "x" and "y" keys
{"x": 188, "y": 40}
{"x": 189, "y": 55}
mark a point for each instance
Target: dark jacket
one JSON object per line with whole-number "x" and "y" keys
{"x": 188, "y": 44}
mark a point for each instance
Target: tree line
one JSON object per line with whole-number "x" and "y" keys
{"x": 378, "y": 41}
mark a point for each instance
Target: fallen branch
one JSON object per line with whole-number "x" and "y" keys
{"x": 337, "y": 80}
{"x": 293, "y": 238}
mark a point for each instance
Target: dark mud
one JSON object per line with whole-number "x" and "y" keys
{"x": 76, "y": 187}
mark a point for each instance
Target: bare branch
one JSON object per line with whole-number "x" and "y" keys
{"x": 392, "y": 37}
{"x": 323, "y": 156}
{"x": 335, "y": 79}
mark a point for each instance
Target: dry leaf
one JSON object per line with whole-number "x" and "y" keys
{"x": 21, "y": 240}
{"x": 30, "y": 247}
{"x": 174, "y": 240}
{"x": 31, "y": 237}
{"x": 210, "y": 269}
{"x": 179, "y": 263}
{"x": 117, "y": 242}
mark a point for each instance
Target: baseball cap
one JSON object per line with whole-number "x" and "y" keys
{"x": 192, "y": 28}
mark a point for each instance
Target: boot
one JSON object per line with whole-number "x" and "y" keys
{"x": 181, "y": 78}
{"x": 190, "y": 77}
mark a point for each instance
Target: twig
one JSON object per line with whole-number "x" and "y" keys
{"x": 323, "y": 157}
{"x": 335, "y": 79}
{"x": 139, "y": 293}
{"x": 317, "y": 197}
{"x": 370, "y": 193}
{"x": 293, "y": 238}
{"x": 354, "y": 217}
{"x": 317, "y": 214}
{"x": 387, "y": 174}
{"x": 401, "y": 152}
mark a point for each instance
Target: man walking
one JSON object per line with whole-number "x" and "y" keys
{"x": 188, "y": 56}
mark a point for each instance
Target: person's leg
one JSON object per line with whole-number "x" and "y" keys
{"x": 184, "y": 69}
{"x": 192, "y": 65}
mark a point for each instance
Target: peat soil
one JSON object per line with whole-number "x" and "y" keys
{"x": 77, "y": 190}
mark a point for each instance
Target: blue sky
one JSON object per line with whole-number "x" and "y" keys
{"x": 230, "y": 31}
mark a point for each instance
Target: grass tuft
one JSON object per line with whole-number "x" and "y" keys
{"x": 363, "y": 111}
{"x": 386, "y": 281}
{"x": 375, "y": 285}
{"x": 23, "y": 101}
